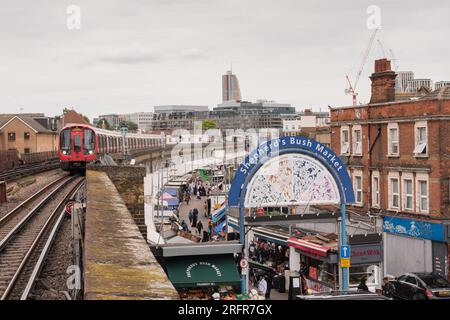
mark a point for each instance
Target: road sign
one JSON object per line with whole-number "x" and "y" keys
{"x": 345, "y": 262}
{"x": 244, "y": 264}
{"x": 69, "y": 207}
{"x": 345, "y": 252}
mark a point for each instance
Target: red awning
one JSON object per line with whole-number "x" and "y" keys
{"x": 308, "y": 247}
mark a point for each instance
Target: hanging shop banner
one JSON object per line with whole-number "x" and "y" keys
{"x": 414, "y": 228}
{"x": 291, "y": 170}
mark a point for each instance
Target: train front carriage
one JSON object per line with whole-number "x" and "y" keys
{"x": 77, "y": 147}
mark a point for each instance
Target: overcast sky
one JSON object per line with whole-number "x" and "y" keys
{"x": 131, "y": 55}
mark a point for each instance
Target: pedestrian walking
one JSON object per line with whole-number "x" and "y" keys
{"x": 184, "y": 226}
{"x": 194, "y": 217}
{"x": 262, "y": 287}
{"x": 190, "y": 216}
{"x": 199, "y": 227}
{"x": 387, "y": 288}
{"x": 269, "y": 284}
{"x": 188, "y": 197}
{"x": 362, "y": 285}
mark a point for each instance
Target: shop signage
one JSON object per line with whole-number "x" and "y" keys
{"x": 203, "y": 263}
{"x": 366, "y": 253}
{"x": 300, "y": 144}
{"x": 345, "y": 262}
{"x": 414, "y": 228}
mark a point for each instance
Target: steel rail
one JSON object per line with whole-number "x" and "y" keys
{"x": 42, "y": 257}
{"x": 36, "y": 241}
{"x": 9, "y": 236}
{"x": 30, "y": 199}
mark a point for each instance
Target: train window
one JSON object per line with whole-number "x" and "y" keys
{"x": 77, "y": 143}
{"x": 89, "y": 141}
{"x": 64, "y": 141}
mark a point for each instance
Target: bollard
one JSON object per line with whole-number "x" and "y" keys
{"x": 3, "y": 198}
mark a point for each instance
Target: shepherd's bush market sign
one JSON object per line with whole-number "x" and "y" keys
{"x": 309, "y": 148}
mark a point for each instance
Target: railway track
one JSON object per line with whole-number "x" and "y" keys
{"x": 22, "y": 171}
{"x": 26, "y": 235}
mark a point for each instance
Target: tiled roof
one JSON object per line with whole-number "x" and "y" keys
{"x": 36, "y": 126}
{"x": 439, "y": 94}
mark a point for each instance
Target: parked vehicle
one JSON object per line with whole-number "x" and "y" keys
{"x": 421, "y": 286}
{"x": 343, "y": 295}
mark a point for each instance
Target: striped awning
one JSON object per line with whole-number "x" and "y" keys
{"x": 308, "y": 246}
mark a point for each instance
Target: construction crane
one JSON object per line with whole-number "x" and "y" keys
{"x": 382, "y": 48}
{"x": 352, "y": 88}
{"x": 394, "y": 60}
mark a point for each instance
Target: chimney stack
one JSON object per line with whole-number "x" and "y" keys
{"x": 383, "y": 82}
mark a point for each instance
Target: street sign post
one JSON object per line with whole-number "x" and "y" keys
{"x": 244, "y": 264}
{"x": 345, "y": 251}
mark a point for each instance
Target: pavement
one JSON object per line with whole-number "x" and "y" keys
{"x": 194, "y": 203}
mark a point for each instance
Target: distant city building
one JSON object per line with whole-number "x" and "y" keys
{"x": 441, "y": 84}
{"x": 143, "y": 120}
{"x": 250, "y": 115}
{"x": 113, "y": 120}
{"x": 170, "y": 117}
{"x": 313, "y": 124}
{"x": 415, "y": 85}
{"x": 401, "y": 81}
{"x": 230, "y": 88}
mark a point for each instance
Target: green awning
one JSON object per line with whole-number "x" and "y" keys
{"x": 201, "y": 271}
{"x": 258, "y": 265}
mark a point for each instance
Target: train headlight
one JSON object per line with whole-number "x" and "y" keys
{"x": 91, "y": 152}
{"x": 64, "y": 152}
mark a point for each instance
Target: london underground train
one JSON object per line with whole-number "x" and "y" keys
{"x": 80, "y": 144}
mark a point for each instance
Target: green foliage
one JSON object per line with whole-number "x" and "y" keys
{"x": 209, "y": 124}
{"x": 129, "y": 124}
{"x": 103, "y": 124}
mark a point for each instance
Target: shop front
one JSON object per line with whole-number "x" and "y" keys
{"x": 198, "y": 277}
{"x": 413, "y": 245}
{"x": 317, "y": 258}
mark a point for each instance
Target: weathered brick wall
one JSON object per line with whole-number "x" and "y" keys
{"x": 129, "y": 181}
{"x": 405, "y": 114}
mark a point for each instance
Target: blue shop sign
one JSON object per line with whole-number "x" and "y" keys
{"x": 414, "y": 228}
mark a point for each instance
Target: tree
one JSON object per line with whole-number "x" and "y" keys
{"x": 209, "y": 124}
{"x": 129, "y": 124}
{"x": 103, "y": 124}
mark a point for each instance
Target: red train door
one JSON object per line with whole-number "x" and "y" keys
{"x": 77, "y": 153}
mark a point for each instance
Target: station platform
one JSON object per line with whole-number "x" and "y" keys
{"x": 118, "y": 262}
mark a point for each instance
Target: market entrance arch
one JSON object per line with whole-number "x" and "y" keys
{"x": 288, "y": 172}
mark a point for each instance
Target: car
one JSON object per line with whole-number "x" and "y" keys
{"x": 421, "y": 286}
{"x": 343, "y": 295}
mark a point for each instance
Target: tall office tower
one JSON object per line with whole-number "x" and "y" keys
{"x": 230, "y": 87}
{"x": 401, "y": 81}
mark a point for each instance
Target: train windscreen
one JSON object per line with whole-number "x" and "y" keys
{"x": 65, "y": 141}
{"x": 89, "y": 141}
{"x": 77, "y": 143}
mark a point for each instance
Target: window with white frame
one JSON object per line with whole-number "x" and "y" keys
{"x": 422, "y": 194}
{"x": 421, "y": 138}
{"x": 358, "y": 186}
{"x": 393, "y": 141}
{"x": 357, "y": 140}
{"x": 407, "y": 192}
{"x": 376, "y": 189}
{"x": 394, "y": 191}
{"x": 345, "y": 140}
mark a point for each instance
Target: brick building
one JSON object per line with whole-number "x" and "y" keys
{"x": 26, "y": 134}
{"x": 398, "y": 156}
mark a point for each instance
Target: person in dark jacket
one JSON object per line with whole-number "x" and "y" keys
{"x": 388, "y": 288}
{"x": 195, "y": 217}
{"x": 362, "y": 285}
{"x": 199, "y": 227}
{"x": 269, "y": 280}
